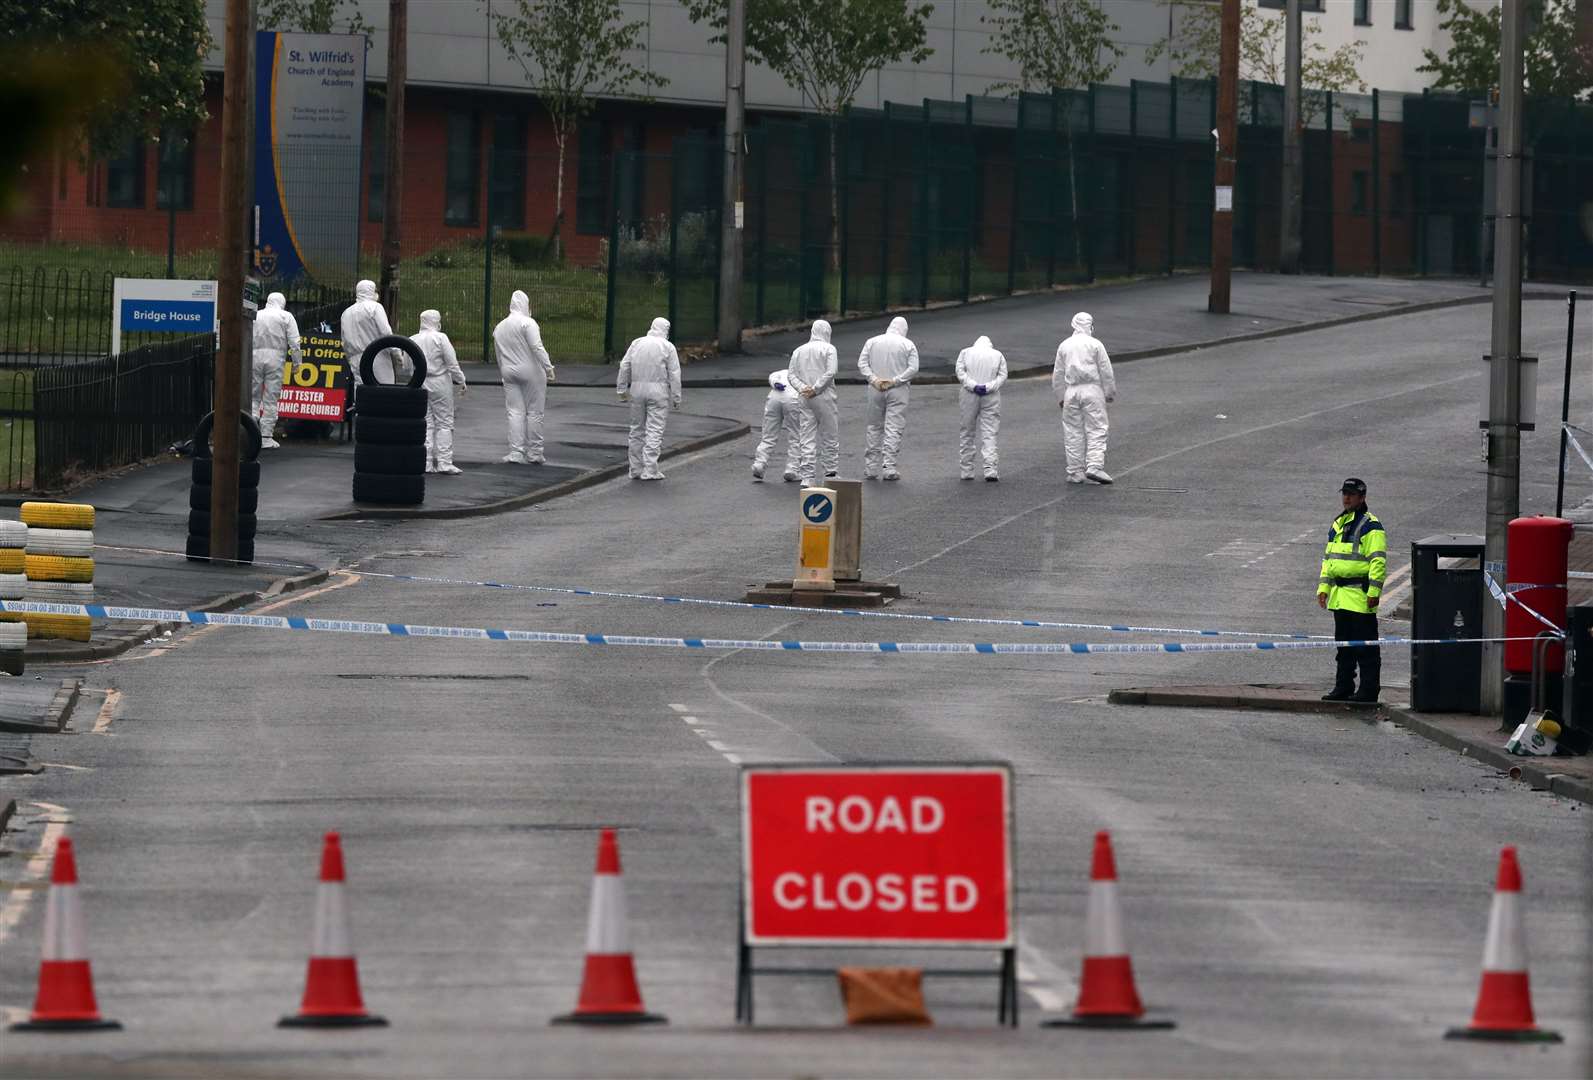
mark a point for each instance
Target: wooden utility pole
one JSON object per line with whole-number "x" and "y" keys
{"x": 731, "y": 211}
{"x": 1227, "y": 139}
{"x": 392, "y": 204}
{"x": 235, "y": 330}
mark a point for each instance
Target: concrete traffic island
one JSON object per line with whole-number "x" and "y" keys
{"x": 829, "y": 570}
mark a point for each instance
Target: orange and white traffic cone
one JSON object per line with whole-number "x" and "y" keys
{"x": 65, "y": 1001}
{"x": 332, "y": 986}
{"x": 1504, "y": 1003}
{"x": 1107, "y": 996}
{"x": 609, "y": 992}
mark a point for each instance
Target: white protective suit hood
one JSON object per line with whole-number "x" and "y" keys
{"x": 365, "y": 290}
{"x": 660, "y": 328}
{"x": 1084, "y": 323}
{"x": 277, "y": 300}
{"x": 821, "y": 331}
{"x": 519, "y": 303}
{"x": 898, "y": 326}
{"x": 431, "y": 319}
{"x": 982, "y": 343}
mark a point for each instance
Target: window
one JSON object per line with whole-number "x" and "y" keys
{"x": 1402, "y": 15}
{"x": 377, "y": 156}
{"x": 1396, "y": 194}
{"x": 591, "y": 179}
{"x": 1363, "y": 12}
{"x": 464, "y": 169}
{"x": 174, "y": 177}
{"x": 506, "y": 181}
{"x": 124, "y": 176}
{"x": 1305, "y": 5}
{"x": 1358, "y": 186}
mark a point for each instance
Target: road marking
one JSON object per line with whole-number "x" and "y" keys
{"x": 16, "y": 905}
{"x": 64, "y": 765}
{"x": 1048, "y": 544}
{"x": 677, "y": 708}
{"x": 691, "y": 719}
{"x": 108, "y": 710}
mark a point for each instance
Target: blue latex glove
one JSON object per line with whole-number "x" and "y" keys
{"x": 779, "y": 386}
{"x": 981, "y": 390}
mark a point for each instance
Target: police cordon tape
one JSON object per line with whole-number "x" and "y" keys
{"x": 549, "y": 637}
{"x": 1506, "y": 596}
{"x": 601, "y": 594}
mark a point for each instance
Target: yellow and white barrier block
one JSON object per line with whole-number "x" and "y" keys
{"x": 815, "y": 569}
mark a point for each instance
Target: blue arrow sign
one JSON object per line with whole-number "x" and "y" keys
{"x": 817, "y": 508}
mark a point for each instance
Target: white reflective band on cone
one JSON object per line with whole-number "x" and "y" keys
{"x": 331, "y": 921}
{"x": 63, "y": 925}
{"x": 1507, "y": 947}
{"x": 1103, "y": 922}
{"x": 606, "y": 919}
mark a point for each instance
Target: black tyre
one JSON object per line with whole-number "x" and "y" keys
{"x": 407, "y": 460}
{"x": 251, "y": 435}
{"x": 395, "y": 402}
{"x": 199, "y": 524}
{"x": 394, "y": 490}
{"x": 199, "y": 499}
{"x": 248, "y": 472}
{"x": 388, "y": 431}
{"x": 199, "y": 549}
{"x": 392, "y": 341}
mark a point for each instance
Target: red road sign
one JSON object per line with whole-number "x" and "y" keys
{"x": 877, "y": 855}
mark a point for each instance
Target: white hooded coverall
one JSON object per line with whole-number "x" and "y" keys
{"x": 442, "y": 375}
{"x": 650, "y": 375}
{"x": 364, "y": 321}
{"x": 812, "y": 374}
{"x": 981, "y": 365}
{"x": 889, "y": 362}
{"x": 1083, "y": 383}
{"x": 276, "y": 337}
{"x": 784, "y": 410}
{"x": 526, "y": 369}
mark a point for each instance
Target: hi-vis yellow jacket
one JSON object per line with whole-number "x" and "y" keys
{"x": 1355, "y": 561}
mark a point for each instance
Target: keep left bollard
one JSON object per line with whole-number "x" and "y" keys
{"x": 815, "y": 570}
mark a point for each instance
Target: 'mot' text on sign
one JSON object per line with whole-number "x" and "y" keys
{"x": 877, "y": 855}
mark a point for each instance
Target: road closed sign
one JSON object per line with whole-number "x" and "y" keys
{"x": 877, "y": 855}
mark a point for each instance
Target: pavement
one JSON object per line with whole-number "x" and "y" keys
{"x": 1138, "y": 319}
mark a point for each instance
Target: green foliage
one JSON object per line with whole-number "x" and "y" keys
{"x": 826, "y": 48}
{"x": 1054, "y": 43}
{"x": 157, "y": 47}
{"x": 1555, "y": 65}
{"x": 312, "y": 17}
{"x": 524, "y": 250}
{"x": 1194, "y": 46}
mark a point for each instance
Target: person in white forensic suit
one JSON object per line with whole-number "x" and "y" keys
{"x": 888, "y": 361}
{"x": 812, "y": 371}
{"x": 783, "y": 410}
{"x": 527, "y": 370}
{"x": 444, "y": 379}
{"x": 649, "y": 378}
{"x": 276, "y": 337}
{"x": 1083, "y": 383}
{"x": 364, "y": 321}
{"x": 981, "y": 369}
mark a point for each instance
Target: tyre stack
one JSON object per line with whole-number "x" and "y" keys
{"x": 13, "y": 586}
{"x": 248, "y": 490}
{"x": 59, "y": 562}
{"x": 390, "y": 431}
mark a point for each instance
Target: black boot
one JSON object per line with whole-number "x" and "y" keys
{"x": 1371, "y": 681}
{"x": 1343, "y": 679}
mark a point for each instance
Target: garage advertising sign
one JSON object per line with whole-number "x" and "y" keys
{"x": 316, "y": 389}
{"x": 877, "y": 855}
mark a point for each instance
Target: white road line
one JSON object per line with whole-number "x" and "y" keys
{"x": 64, "y": 765}
{"x": 717, "y": 745}
{"x": 108, "y": 710}
{"x": 677, "y": 708}
{"x": 36, "y": 868}
{"x": 691, "y": 719}
{"x": 1053, "y": 989}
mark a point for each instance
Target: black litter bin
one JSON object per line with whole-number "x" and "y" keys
{"x": 1446, "y": 602}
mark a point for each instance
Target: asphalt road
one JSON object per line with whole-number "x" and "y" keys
{"x": 1306, "y": 894}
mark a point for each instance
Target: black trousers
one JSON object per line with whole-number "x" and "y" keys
{"x": 1358, "y": 626}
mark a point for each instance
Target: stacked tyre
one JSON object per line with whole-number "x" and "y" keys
{"x": 390, "y": 431}
{"x": 13, "y": 586}
{"x": 248, "y": 489}
{"x": 59, "y": 563}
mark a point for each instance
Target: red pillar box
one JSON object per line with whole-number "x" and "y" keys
{"x": 1538, "y": 549}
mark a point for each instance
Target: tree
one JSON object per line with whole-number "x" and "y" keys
{"x": 573, "y": 51}
{"x": 825, "y": 49}
{"x": 1555, "y": 65}
{"x": 312, "y": 17}
{"x": 1193, "y": 47}
{"x": 156, "y": 48}
{"x": 1065, "y": 44}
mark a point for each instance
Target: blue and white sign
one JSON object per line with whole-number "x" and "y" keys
{"x": 817, "y": 508}
{"x": 158, "y": 305}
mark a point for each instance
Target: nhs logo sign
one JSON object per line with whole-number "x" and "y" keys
{"x": 162, "y": 306}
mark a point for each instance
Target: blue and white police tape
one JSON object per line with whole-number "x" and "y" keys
{"x": 1509, "y": 595}
{"x": 602, "y": 594}
{"x": 549, "y": 637}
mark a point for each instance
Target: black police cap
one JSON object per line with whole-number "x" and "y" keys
{"x": 1354, "y": 486}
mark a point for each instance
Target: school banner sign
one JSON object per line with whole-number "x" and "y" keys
{"x": 309, "y": 118}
